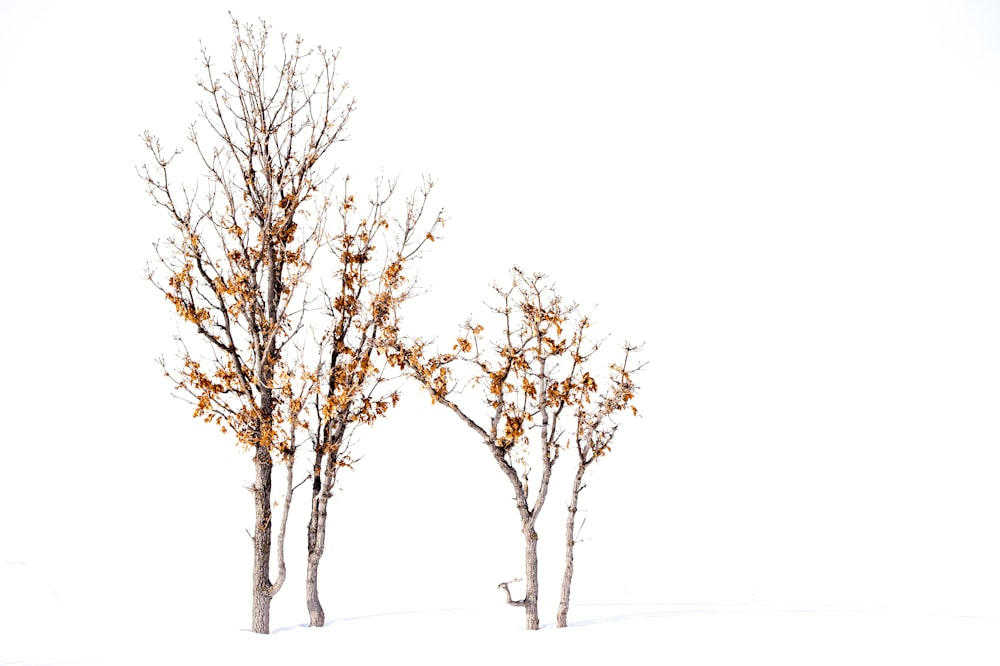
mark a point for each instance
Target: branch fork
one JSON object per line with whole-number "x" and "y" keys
{"x": 510, "y": 600}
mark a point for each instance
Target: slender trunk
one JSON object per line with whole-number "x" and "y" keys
{"x": 567, "y": 581}
{"x": 316, "y": 542}
{"x": 313, "y": 551}
{"x": 530, "y": 577}
{"x": 261, "y": 610}
{"x": 528, "y": 517}
{"x": 283, "y": 527}
{"x": 317, "y": 616}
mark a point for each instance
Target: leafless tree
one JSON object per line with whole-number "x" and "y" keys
{"x": 244, "y": 238}
{"x": 594, "y": 415}
{"x": 373, "y": 253}
{"x": 529, "y": 374}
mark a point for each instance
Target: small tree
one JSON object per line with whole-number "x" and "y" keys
{"x": 369, "y": 286}
{"x": 245, "y": 237}
{"x": 530, "y": 374}
{"x": 595, "y": 429}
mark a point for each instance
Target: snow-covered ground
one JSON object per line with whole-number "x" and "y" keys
{"x": 40, "y": 628}
{"x": 624, "y": 634}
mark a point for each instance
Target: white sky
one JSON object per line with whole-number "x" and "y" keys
{"x": 793, "y": 205}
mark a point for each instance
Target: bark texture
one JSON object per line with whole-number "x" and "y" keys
{"x": 530, "y": 578}
{"x": 322, "y": 490}
{"x": 316, "y": 531}
{"x": 317, "y": 616}
{"x": 529, "y": 515}
{"x": 261, "y": 607}
{"x": 562, "y": 614}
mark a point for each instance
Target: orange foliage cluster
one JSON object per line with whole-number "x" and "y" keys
{"x": 362, "y": 317}
{"x": 532, "y": 376}
{"x": 232, "y": 272}
{"x": 272, "y": 354}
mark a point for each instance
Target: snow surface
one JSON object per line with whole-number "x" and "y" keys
{"x": 38, "y": 627}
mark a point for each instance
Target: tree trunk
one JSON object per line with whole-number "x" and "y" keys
{"x": 261, "y": 611}
{"x": 530, "y": 578}
{"x": 528, "y": 518}
{"x": 316, "y": 541}
{"x": 317, "y": 616}
{"x": 567, "y": 581}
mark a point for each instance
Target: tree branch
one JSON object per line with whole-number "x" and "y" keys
{"x": 504, "y": 586}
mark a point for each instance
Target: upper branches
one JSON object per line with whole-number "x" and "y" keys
{"x": 372, "y": 254}
{"x": 246, "y": 233}
{"x": 596, "y": 410}
{"x": 533, "y": 375}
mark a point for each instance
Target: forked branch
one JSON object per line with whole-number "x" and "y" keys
{"x": 510, "y": 600}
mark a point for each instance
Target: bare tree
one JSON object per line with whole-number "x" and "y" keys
{"x": 370, "y": 284}
{"x": 595, "y": 429}
{"x": 529, "y": 375}
{"x": 245, "y": 235}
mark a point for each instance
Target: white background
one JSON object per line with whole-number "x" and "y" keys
{"x": 794, "y": 205}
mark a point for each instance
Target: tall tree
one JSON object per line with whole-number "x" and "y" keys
{"x": 529, "y": 374}
{"x": 594, "y": 414}
{"x": 362, "y": 303}
{"x": 244, "y": 237}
